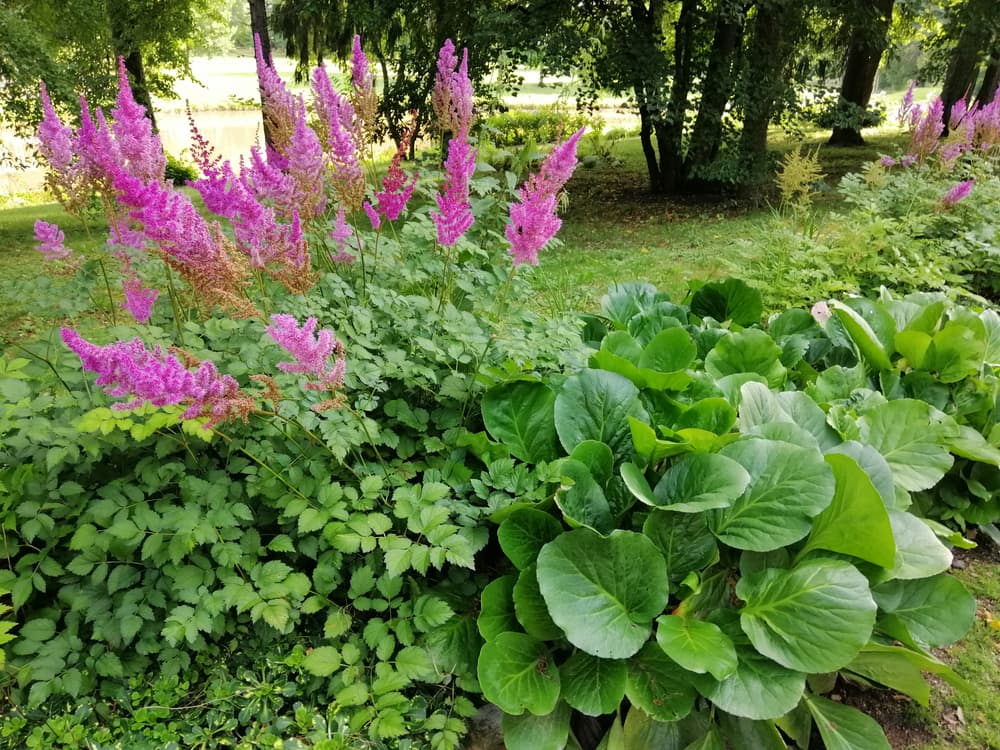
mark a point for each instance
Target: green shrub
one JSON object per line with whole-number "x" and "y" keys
{"x": 179, "y": 172}
{"x": 517, "y": 127}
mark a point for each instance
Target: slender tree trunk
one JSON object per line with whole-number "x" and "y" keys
{"x": 124, "y": 47}
{"x": 863, "y": 57}
{"x": 991, "y": 80}
{"x": 258, "y": 27}
{"x": 706, "y": 138}
{"x": 646, "y": 139}
{"x": 670, "y": 134}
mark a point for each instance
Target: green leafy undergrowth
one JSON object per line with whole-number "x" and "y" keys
{"x": 730, "y": 522}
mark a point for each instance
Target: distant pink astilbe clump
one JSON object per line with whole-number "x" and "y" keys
{"x": 128, "y": 368}
{"x": 970, "y": 128}
{"x": 50, "y": 239}
{"x": 957, "y": 193}
{"x": 454, "y": 215}
{"x": 311, "y": 351}
{"x": 340, "y": 133}
{"x": 452, "y": 94}
{"x": 533, "y": 219}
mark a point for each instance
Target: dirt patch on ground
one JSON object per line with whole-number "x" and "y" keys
{"x": 898, "y": 716}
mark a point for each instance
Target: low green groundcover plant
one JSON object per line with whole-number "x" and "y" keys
{"x": 251, "y": 531}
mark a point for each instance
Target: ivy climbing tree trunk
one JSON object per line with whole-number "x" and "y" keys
{"x": 706, "y": 137}
{"x": 868, "y": 41}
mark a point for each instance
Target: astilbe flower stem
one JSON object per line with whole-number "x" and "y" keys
{"x": 311, "y": 351}
{"x": 128, "y": 368}
{"x": 533, "y": 219}
{"x": 454, "y": 215}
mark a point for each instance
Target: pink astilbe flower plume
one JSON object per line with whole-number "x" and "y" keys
{"x": 50, "y": 239}
{"x": 452, "y": 94}
{"x": 311, "y": 351}
{"x": 139, "y": 300}
{"x": 340, "y": 234}
{"x": 454, "y": 215}
{"x": 340, "y": 140}
{"x": 140, "y": 151}
{"x": 395, "y": 191}
{"x": 305, "y": 166}
{"x": 128, "y": 368}
{"x": 363, "y": 97}
{"x": 276, "y": 100}
{"x": 533, "y": 219}
{"x": 957, "y": 193}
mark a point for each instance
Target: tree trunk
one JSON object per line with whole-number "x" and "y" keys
{"x": 646, "y": 139}
{"x": 670, "y": 132}
{"x": 963, "y": 68}
{"x": 991, "y": 80}
{"x": 124, "y": 46}
{"x": 863, "y": 57}
{"x": 258, "y": 27}
{"x": 706, "y": 138}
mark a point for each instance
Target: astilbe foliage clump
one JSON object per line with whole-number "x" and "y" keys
{"x": 249, "y": 516}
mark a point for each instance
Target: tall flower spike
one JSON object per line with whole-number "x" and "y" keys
{"x": 127, "y": 368}
{"x": 139, "y": 300}
{"x": 533, "y": 219}
{"x": 363, "y": 96}
{"x": 452, "y": 94}
{"x": 454, "y": 215}
{"x": 311, "y": 351}
{"x": 140, "y": 151}
{"x": 957, "y": 193}
{"x": 277, "y": 102}
{"x": 395, "y": 190}
{"x": 50, "y": 240}
{"x": 340, "y": 234}
{"x": 338, "y": 121}
{"x": 305, "y": 166}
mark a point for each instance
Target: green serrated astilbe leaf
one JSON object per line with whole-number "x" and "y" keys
{"x": 919, "y": 552}
{"x": 516, "y": 672}
{"x": 856, "y": 523}
{"x": 684, "y": 540}
{"x": 496, "y": 613}
{"x": 812, "y": 618}
{"x": 845, "y": 728}
{"x": 747, "y": 351}
{"x": 523, "y": 533}
{"x": 703, "y": 481}
{"x": 530, "y": 608}
{"x": 905, "y": 434}
{"x": 655, "y": 684}
{"x": 530, "y": 732}
{"x": 322, "y": 661}
{"x": 591, "y": 685}
{"x": 583, "y": 501}
{"x": 789, "y": 485}
{"x": 932, "y": 612}
{"x": 696, "y": 645}
{"x": 596, "y": 405}
{"x": 521, "y": 415}
{"x": 603, "y": 591}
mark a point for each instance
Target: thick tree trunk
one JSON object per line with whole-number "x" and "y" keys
{"x": 963, "y": 68}
{"x": 670, "y": 132}
{"x": 258, "y": 27}
{"x": 648, "y": 87}
{"x": 991, "y": 80}
{"x": 706, "y": 138}
{"x": 863, "y": 57}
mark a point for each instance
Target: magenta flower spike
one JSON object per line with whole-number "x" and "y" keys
{"x": 454, "y": 215}
{"x": 340, "y": 234}
{"x": 395, "y": 191}
{"x": 50, "y": 239}
{"x": 533, "y": 219}
{"x": 957, "y": 193}
{"x": 305, "y": 166}
{"x": 363, "y": 96}
{"x": 127, "y": 368}
{"x": 276, "y": 100}
{"x": 452, "y": 94}
{"x": 140, "y": 151}
{"x": 310, "y": 350}
{"x": 55, "y": 138}
{"x": 340, "y": 132}
{"x": 139, "y": 300}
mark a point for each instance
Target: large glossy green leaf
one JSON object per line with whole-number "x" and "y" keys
{"x": 931, "y": 611}
{"x": 683, "y": 539}
{"x": 603, "y": 591}
{"x": 625, "y": 299}
{"x": 582, "y": 500}
{"x": 530, "y": 732}
{"x": 991, "y": 324}
{"x": 652, "y": 320}
{"x": 919, "y": 552}
{"x": 521, "y": 415}
{"x": 591, "y": 685}
{"x": 747, "y": 351}
{"x": 874, "y": 465}
{"x": 788, "y": 486}
{"x": 845, "y": 728}
{"x": 712, "y": 414}
{"x": 759, "y": 734}
{"x": 759, "y": 688}
{"x": 812, "y": 618}
{"x": 856, "y": 523}
{"x": 598, "y": 459}
{"x": 901, "y": 669}
{"x": 696, "y": 645}
{"x": 865, "y": 337}
{"x": 523, "y": 533}
{"x": 516, "y": 672}
{"x": 596, "y": 405}
{"x": 956, "y": 351}
{"x": 496, "y": 614}
{"x": 530, "y": 608}
{"x": 657, "y": 686}
{"x": 911, "y": 442}
{"x": 701, "y": 481}
{"x": 730, "y": 299}
{"x": 669, "y": 351}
